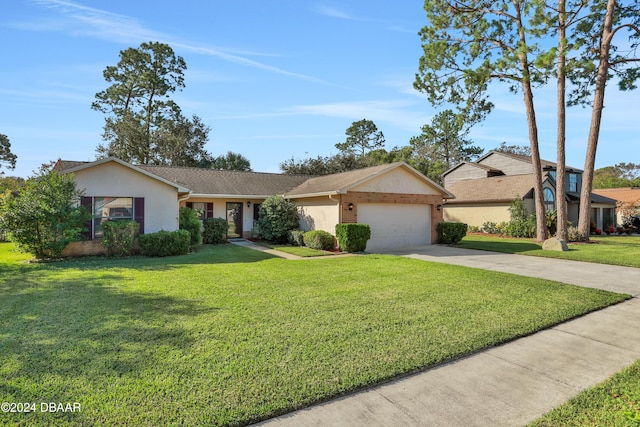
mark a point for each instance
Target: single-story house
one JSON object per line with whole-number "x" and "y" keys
{"x": 627, "y": 199}
{"x": 484, "y": 190}
{"x": 401, "y": 205}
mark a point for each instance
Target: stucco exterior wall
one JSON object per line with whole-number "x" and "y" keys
{"x": 399, "y": 181}
{"x": 220, "y": 209}
{"x": 114, "y": 180}
{"x": 477, "y": 215}
{"x": 319, "y": 213}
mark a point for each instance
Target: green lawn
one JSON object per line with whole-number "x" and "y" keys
{"x": 301, "y": 251}
{"x": 616, "y": 402}
{"x": 228, "y": 335}
{"x": 616, "y": 250}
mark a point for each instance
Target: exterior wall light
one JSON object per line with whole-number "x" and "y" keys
{"x": 350, "y": 206}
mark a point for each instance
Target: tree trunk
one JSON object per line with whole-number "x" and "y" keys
{"x": 541, "y": 226}
{"x": 596, "y": 118}
{"x": 561, "y": 203}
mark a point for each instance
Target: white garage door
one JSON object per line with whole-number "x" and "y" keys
{"x": 396, "y": 225}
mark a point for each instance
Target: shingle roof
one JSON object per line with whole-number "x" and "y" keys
{"x": 341, "y": 182}
{"x": 627, "y": 194}
{"x": 494, "y": 189}
{"x": 230, "y": 183}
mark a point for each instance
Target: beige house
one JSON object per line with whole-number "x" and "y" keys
{"x": 627, "y": 199}
{"x": 401, "y": 205}
{"x": 485, "y": 189}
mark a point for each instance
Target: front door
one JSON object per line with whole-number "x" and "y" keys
{"x": 234, "y": 218}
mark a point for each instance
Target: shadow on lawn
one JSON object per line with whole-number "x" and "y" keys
{"x": 506, "y": 246}
{"x": 55, "y": 335}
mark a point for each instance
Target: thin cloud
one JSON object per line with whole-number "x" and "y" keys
{"x": 110, "y": 26}
{"x": 333, "y": 12}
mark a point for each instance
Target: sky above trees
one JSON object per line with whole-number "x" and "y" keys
{"x": 273, "y": 80}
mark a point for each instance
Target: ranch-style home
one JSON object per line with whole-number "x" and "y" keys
{"x": 484, "y": 190}
{"x": 401, "y": 205}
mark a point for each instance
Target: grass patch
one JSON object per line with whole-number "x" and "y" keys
{"x": 229, "y": 335}
{"x": 301, "y": 251}
{"x": 616, "y": 402}
{"x": 614, "y": 250}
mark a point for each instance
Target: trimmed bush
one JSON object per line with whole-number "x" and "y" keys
{"x": 277, "y": 217}
{"x": 353, "y": 237}
{"x": 119, "y": 237}
{"x": 318, "y": 239}
{"x": 165, "y": 243}
{"x": 296, "y": 237}
{"x": 451, "y": 232}
{"x": 490, "y": 227}
{"x": 190, "y": 221}
{"x": 215, "y": 230}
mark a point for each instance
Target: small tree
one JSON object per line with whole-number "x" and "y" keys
{"x": 277, "y": 217}
{"x": 46, "y": 214}
{"x": 362, "y": 136}
{"x": 188, "y": 220}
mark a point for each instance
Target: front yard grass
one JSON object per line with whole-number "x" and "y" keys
{"x": 615, "y": 402}
{"x": 229, "y": 336}
{"x": 301, "y": 251}
{"x": 615, "y": 250}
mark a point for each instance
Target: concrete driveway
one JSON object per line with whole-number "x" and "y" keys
{"x": 512, "y": 384}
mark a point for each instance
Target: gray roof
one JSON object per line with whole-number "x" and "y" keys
{"x": 502, "y": 188}
{"x": 228, "y": 183}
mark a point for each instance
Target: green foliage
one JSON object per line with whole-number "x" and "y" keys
{"x": 7, "y": 158}
{"x": 353, "y": 237}
{"x": 231, "y": 161}
{"x": 142, "y": 124}
{"x": 277, "y": 217}
{"x": 190, "y": 221}
{"x": 451, "y": 232}
{"x": 215, "y": 230}
{"x": 519, "y": 150}
{"x": 574, "y": 235}
{"x": 318, "y": 239}
{"x": 165, "y": 243}
{"x": 362, "y": 136}
{"x": 45, "y": 216}
{"x": 520, "y": 225}
{"x": 296, "y": 237}
{"x": 490, "y": 227}
{"x": 620, "y": 175}
{"x": 119, "y": 237}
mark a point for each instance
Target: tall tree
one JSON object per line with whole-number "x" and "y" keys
{"x": 519, "y": 150}
{"x": 137, "y": 103}
{"x": 7, "y": 158}
{"x": 620, "y": 175}
{"x": 445, "y": 140}
{"x": 597, "y": 60}
{"x": 180, "y": 142}
{"x": 231, "y": 161}
{"x": 362, "y": 136}
{"x": 468, "y": 44}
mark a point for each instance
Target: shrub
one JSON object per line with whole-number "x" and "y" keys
{"x": 45, "y": 216}
{"x": 501, "y": 228}
{"x": 574, "y": 235}
{"x": 277, "y": 217}
{"x": 474, "y": 229}
{"x": 296, "y": 237}
{"x": 451, "y": 232}
{"x": 165, "y": 243}
{"x": 190, "y": 221}
{"x": 490, "y": 227}
{"x": 318, "y": 239}
{"x": 353, "y": 237}
{"x": 215, "y": 230}
{"x": 119, "y": 236}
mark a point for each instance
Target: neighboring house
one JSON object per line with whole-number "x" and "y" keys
{"x": 485, "y": 189}
{"x": 401, "y": 205}
{"x": 627, "y": 198}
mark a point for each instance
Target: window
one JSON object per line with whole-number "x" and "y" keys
{"x": 110, "y": 209}
{"x": 553, "y": 174}
{"x": 573, "y": 182}
{"x": 201, "y": 209}
{"x": 549, "y": 200}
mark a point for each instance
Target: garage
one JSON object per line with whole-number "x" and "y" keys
{"x": 396, "y": 225}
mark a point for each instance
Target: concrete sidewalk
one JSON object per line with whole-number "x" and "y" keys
{"x": 512, "y": 384}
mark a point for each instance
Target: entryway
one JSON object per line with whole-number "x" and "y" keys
{"x": 234, "y": 218}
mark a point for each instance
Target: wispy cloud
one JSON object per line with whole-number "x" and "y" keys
{"x": 83, "y": 20}
{"x": 333, "y": 12}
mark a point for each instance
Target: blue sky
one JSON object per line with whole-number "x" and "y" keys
{"x": 272, "y": 79}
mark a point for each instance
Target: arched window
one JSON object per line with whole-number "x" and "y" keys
{"x": 549, "y": 200}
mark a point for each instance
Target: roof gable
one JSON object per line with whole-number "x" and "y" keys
{"x": 342, "y": 182}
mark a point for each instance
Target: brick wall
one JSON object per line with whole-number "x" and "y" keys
{"x": 356, "y": 197}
